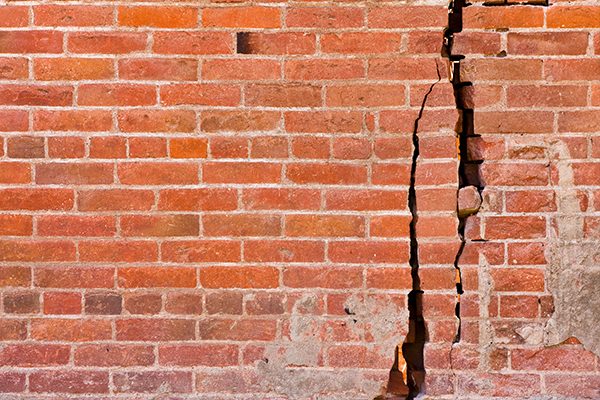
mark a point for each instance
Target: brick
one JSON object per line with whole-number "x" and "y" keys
{"x": 108, "y": 147}
{"x": 77, "y": 174}
{"x": 36, "y": 95}
{"x": 15, "y": 276}
{"x": 200, "y": 94}
{"x": 153, "y": 381}
{"x": 158, "y": 17}
{"x": 586, "y": 173}
{"x": 116, "y": 95}
{"x": 160, "y": 225}
{"x": 157, "y": 173}
{"x": 515, "y": 174}
{"x": 65, "y": 147}
{"x": 106, "y": 42}
{"x": 311, "y": 147}
{"x": 269, "y": 147}
{"x": 325, "y": 17}
{"x": 501, "y": 69}
{"x": 573, "y": 17}
{"x": 407, "y": 17}
{"x": 13, "y": 329}
{"x": 503, "y": 17}
{"x": 239, "y": 277}
{"x": 74, "y": 277}
{"x": 547, "y": 96}
{"x": 114, "y": 200}
{"x": 265, "y": 304}
{"x": 142, "y": 303}
{"x": 25, "y": 147}
{"x": 329, "y": 174}
{"x": 118, "y": 251}
{"x": 242, "y": 17}
{"x": 61, "y": 69}
{"x": 103, "y": 304}
{"x": 62, "y": 303}
{"x": 324, "y": 225}
{"x": 72, "y": 120}
{"x": 195, "y": 355}
{"x": 579, "y": 121}
{"x": 365, "y": 96}
{"x": 514, "y": 122}
{"x": 228, "y": 147}
{"x": 324, "y": 69}
{"x": 147, "y": 147}
{"x": 239, "y": 121}
{"x": 297, "y": 95}
{"x": 572, "y": 385}
{"x": 156, "y": 120}
{"x": 247, "y": 172}
{"x": 12, "y": 382}
{"x": 518, "y": 280}
{"x": 193, "y": 43}
{"x": 555, "y": 43}
{"x": 354, "y": 356}
{"x": 21, "y": 303}
{"x": 36, "y": 199}
{"x": 109, "y": 355}
{"x": 367, "y": 251}
{"x": 197, "y": 199}
{"x": 317, "y": 277}
{"x": 155, "y": 329}
{"x": 500, "y": 385}
{"x": 12, "y": 172}
{"x": 13, "y": 16}
{"x": 76, "y": 382}
{"x": 477, "y": 43}
{"x": 361, "y": 43}
{"x": 284, "y": 251}
{"x": 362, "y": 200}
{"x": 188, "y": 148}
{"x": 515, "y": 227}
{"x": 526, "y": 253}
{"x": 519, "y": 306}
{"x": 323, "y": 121}
{"x": 224, "y": 303}
{"x": 184, "y": 303}
{"x": 241, "y": 225}
{"x": 37, "y": 41}
{"x": 70, "y": 330}
{"x": 572, "y": 70}
{"x": 276, "y": 43}
{"x": 389, "y": 226}
{"x": 242, "y": 330}
{"x": 14, "y": 68}
{"x": 32, "y": 251}
{"x": 280, "y": 199}
{"x": 241, "y": 69}
{"x": 555, "y": 358}
{"x": 136, "y": 277}
{"x": 70, "y": 225}
{"x": 68, "y": 15}
{"x": 14, "y": 120}
{"x": 201, "y": 251}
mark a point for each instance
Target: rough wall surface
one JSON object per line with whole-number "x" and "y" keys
{"x": 213, "y": 199}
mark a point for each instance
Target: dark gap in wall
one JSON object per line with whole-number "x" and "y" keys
{"x": 505, "y": 3}
{"x": 243, "y": 43}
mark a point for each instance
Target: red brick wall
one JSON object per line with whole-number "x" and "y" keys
{"x": 212, "y": 199}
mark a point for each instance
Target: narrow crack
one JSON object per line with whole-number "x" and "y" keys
{"x": 407, "y": 376}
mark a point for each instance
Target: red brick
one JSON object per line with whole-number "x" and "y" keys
{"x": 70, "y": 225}
{"x": 31, "y": 42}
{"x": 158, "y": 120}
{"x": 142, "y": 303}
{"x": 155, "y": 329}
{"x": 269, "y": 147}
{"x": 284, "y": 251}
{"x": 573, "y": 17}
{"x": 247, "y": 172}
{"x": 15, "y": 276}
{"x": 242, "y": 17}
{"x": 518, "y": 279}
{"x": 238, "y": 330}
{"x": 355, "y": 356}
{"x": 368, "y": 252}
{"x": 118, "y": 251}
{"x": 36, "y": 95}
{"x": 61, "y": 69}
{"x": 11, "y": 382}
{"x": 241, "y": 225}
{"x": 526, "y": 253}
{"x": 402, "y": 69}
{"x": 240, "y": 69}
{"x": 108, "y": 147}
{"x": 72, "y": 120}
{"x": 329, "y": 174}
{"x": 200, "y": 94}
{"x": 13, "y": 329}
{"x": 116, "y": 95}
{"x": 68, "y": 15}
{"x": 211, "y": 355}
{"x": 296, "y": 95}
{"x": 76, "y": 382}
{"x": 197, "y": 199}
{"x": 530, "y": 201}
{"x": 325, "y": 17}
{"x": 239, "y": 121}
{"x": 103, "y": 304}
{"x": 179, "y": 69}
{"x": 515, "y": 227}
{"x": 193, "y": 43}
{"x": 239, "y": 277}
{"x": 586, "y": 173}
{"x": 277, "y": 43}
{"x": 137, "y": 277}
{"x": 36, "y": 199}
{"x": 572, "y": 385}
{"x": 109, "y": 355}
{"x": 62, "y": 303}
{"x": 361, "y": 42}
{"x": 115, "y": 199}
{"x": 551, "y": 43}
{"x": 514, "y": 122}
{"x": 323, "y": 121}
{"x": 311, "y": 147}
{"x": 553, "y": 358}
{"x": 515, "y": 174}
{"x": 501, "y": 69}
{"x": 324, "y": 69}
{"x": 157, "y": 173}
{"x": 74, "y": 277}
{"x": 315, "y": 277}
{"x": 14, "y": 120}
{"x": 407, "y": 17}
{"x": 365, "y": 96}
{"x": 572, "y": 70}
{"x": 162, "y": 225}
{"x": 158, "y": 17}
{"x": 547, "y": 96}
{"x": 188, "y": 148}
{"x": 499, "y": 385}
{"x": 503, "y": 17}
{"x": 11, "y": 172}
{"x": 390, "y": 226}
{"x": 78, "y": 174}
{"x": 229, "y": 147}
{"x": 14, "y": 68}
{"x": 65, "y": 147}
{"x": 519, "y": 306}
{"x": 147, "y": 147}
{"x": 25, "y": 147}
{"x": 324, "y": 225}
{"x": 70, "y": 330}
{"x": 280, "y": 199}
{"x": 477, "y": 43}
{"x": 21, "y": 302}
{"x": 32, "y": 251}
{"x": 13, "y": 16}
{"x": 229, "y": 303}
{"x": 107, "y": 42}
{"x": 184, "y": 303}
{"x": 201, "y": 251}
{"x": 361, "y": 200}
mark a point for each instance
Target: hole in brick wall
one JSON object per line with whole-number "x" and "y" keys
{"x": 243, "y": 43}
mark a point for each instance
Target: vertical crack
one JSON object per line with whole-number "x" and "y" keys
{"x": 408, "y": 372}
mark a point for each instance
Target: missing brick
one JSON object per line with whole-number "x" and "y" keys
{"x": 243, "y": 43}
